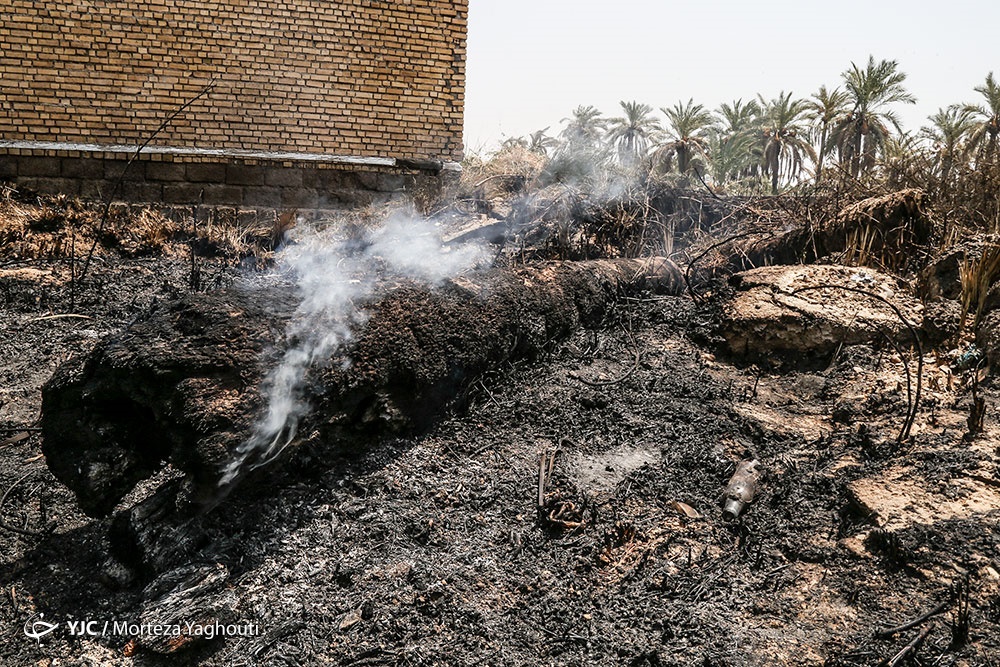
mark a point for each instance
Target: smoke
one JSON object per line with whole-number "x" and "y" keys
{"x": 335, "y": 276}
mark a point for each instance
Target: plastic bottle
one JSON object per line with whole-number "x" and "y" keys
{"x": 741, "y": 489}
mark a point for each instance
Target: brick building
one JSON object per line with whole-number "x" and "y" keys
{"x": 309, "y": 103}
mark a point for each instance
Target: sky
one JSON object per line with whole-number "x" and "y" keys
{"x": 531, "y": 62}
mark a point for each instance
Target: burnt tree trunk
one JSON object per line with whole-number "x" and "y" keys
{"x": 183, "y": 385}
{"x": 889, "y": 231}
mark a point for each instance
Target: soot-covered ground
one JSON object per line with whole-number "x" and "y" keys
{"x": 433, "y": 549}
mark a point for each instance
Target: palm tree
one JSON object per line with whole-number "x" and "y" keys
{"x": 633, "y": 133}
{"x": 584, "y": 129}
{"x": 785, "y": 138}
{"x": 986, "y": 118}
{"x": 904, "y": 161}
{"x": 739, "y": 118}
{"x": 861, "y": 134}
{"x": 511, "y": 143}
{"x": 541, "y": 143}
{"x": 947, "y": 130}
{"x": 733, "y": 142}
{"x": 582, "y": 154}
{"x": 825, "y": 108}
{"x": 688, "y": 134}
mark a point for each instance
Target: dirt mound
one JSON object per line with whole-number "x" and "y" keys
{"x": 812, "y": 310}
{"x": 891, "y": 232}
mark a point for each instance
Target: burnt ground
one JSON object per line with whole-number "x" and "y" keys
{"x": 432, "y": 550}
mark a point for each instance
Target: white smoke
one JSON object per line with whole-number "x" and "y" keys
{"x": 335, "y": 276}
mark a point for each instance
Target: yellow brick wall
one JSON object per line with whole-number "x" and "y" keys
{"x": 380, "y": 78}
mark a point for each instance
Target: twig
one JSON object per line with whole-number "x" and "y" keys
{"x": 906, "y": 369}
{"x": 910, "y": 648}
{"x": 194, "y": 280}
{"x": 493, "y": 177}
{"x": 546, "y": 463}
{"x": 702, "y": 179}
{"x": 72, "y": 267}
{"x": 960, "y": 624}
{"x": 490, "y": 394}
{"x": 121, "y": 177}
{"x": 649, "y": 299}
{"x": 912, "y": 415}
{"x": 627, "y": 375}
{"x": 14, "y": 529}
{"x": 977, "y": 412}
{"x": 939, "y": 609}
{"x": 60, "y": 317}
{"x": 541, "y": 480}
{"x": 778, "y": 569}
{"x": 482, "y": 449}
{"x": 14, "y": 439}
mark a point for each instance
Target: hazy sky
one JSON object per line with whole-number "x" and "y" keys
{"x": 531, "y": 62}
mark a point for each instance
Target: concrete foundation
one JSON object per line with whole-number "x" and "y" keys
{"x": 260, "y": 182}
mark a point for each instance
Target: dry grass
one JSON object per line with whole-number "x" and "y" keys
{"x": 977, "y": 275}
{"x": 61, "y": 227}
{"x": 860, "y": 249}
{"x": 883, "y": 231}
{"x": 227, "y": 235}
{"x": 508, "y": 170}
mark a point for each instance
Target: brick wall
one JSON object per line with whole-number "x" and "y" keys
{"x": 372, "y": 78}
{"x": 266, "y": 184}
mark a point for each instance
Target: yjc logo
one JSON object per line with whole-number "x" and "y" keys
{"x": 37, "y": 627}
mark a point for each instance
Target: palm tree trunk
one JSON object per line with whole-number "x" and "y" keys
{"x": 856, "y": 156}
{"x": 683, "y": 159}
{"x": 822, "y": 153}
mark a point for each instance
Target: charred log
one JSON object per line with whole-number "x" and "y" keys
{"x": 193, "y": 599}
{"x": 889, "y": 232}
{"x": 183, "y": 385}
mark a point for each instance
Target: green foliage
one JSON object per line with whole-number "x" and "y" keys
{"x": 861, "y": 134}
{"x": 686, "y": 148}
{"x": 633, "y": 133}
{"x": 584, "y": 129}
{"x": 947, "y": 132}
{"x": 983, "y": 138}
{"x": 734, "y": 147}
{"x": 785, "y": 138}
{"x": 825, "y": 108}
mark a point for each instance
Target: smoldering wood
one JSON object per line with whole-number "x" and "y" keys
{"x": 192, "y": 599}
{"x": 159, "y": 533}
{"x": 184, "y": 384}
